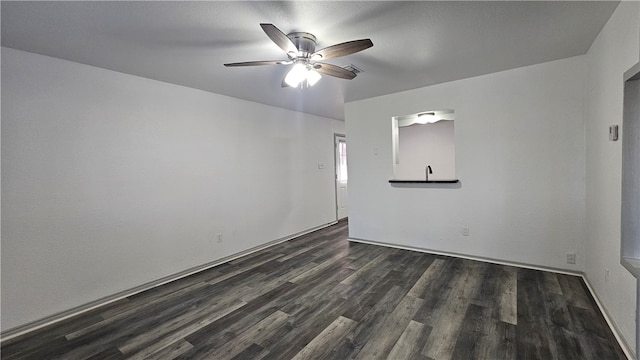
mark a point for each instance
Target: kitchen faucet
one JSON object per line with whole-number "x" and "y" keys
{"x": 428, "y": 171}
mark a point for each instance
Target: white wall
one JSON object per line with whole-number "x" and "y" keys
{"x": 519, "y": 156}
{"x": 110, "y": 181}
{"x": 613, "y": 52}
{"x": 427, "y": 144}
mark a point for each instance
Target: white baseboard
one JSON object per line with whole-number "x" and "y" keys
{"x": 464, "y": 256}
{"x": 55, "y": 318}
{"x": 612, "y": 325}
{"x": 621, "y": 340}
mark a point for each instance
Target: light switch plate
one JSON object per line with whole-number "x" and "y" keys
{"x": 613, "y": 133}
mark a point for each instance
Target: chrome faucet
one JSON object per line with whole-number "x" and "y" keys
{"x": 428, "y": 171}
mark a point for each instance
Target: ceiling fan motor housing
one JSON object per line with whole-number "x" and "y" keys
{"x": 304, "y": 42}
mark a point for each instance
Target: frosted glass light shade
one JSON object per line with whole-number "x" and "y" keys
{"x": 312, "y": 77}
{"x": 297, "y": 74}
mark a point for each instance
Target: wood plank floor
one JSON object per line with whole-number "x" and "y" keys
{"x": 321, "y": 297}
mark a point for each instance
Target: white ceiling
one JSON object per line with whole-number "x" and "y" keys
{"x": 415, "y": 43}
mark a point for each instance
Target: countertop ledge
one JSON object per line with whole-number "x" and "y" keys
{"x": 397, "y": 181}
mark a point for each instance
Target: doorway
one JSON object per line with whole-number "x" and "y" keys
{"x": 340, "y": 152}
{"x": 630, "y": 212}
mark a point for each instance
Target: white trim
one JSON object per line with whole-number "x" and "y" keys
{"x": 335, "y": 170}
{"x": 633, "y": 73}
{"x": 55, "y": 318}
{"x": 614, "y": 329}
{"x": 463, "y": 256}
{"x": 621, "y": 340}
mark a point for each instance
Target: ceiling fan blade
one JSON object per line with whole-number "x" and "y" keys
{"x": 256, "y": 63}
{"x": 333, "y": 70}
{"x": 343, "y": 49}
{"x": 279, "y": 38}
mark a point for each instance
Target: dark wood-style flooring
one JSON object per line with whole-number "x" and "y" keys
{"x": 321, "y": 297}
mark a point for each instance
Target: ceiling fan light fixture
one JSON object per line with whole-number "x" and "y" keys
{"x": 300, "y": 48}
{"x": 301, "y": 73}
{"x": 296, "y": 75}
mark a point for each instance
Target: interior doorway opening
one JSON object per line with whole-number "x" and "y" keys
{"x": 342, "y": 178}
{"x": 630, "y": 211}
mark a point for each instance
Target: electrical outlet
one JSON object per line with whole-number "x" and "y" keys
{"x": 465, "y": 231}
{"x": 606, "y": 275}
{"x": 571, "y": 258}
{"x": 219, "y": 238}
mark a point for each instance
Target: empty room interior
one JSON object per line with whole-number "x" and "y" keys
{"x": 320, "y": 180}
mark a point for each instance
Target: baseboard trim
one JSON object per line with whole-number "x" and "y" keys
{"x": 612, "y": 325}
{"x": 55, "y": 318}
{"x": 621, "y": 340}
{"x": 469, "y": 257}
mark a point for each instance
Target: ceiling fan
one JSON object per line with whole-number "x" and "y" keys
{"x": 300, "y": 47}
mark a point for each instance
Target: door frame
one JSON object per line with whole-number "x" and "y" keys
{"x": 336, "y": 137}
{"x": 629, "y": 240}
